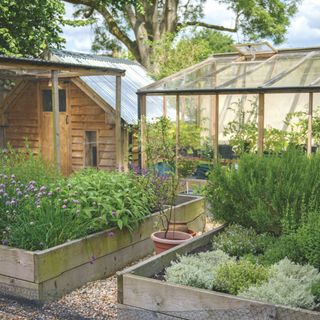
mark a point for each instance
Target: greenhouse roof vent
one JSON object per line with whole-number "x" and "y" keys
{"x": 255, "y": 50}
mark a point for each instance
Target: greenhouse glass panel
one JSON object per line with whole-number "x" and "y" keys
{"x": 265, "y": 71}
{"x": 304, "y": 73}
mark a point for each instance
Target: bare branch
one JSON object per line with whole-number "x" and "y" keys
{"x": 208, "y": 25}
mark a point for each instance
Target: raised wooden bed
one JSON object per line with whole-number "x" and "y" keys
{"x": 142, "y": 297}
{"x": 48, "y": 274}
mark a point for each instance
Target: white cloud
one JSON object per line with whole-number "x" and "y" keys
{"x": 304, "y": 30}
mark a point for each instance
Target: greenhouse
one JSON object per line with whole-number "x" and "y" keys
{"x": 259, "y": 99}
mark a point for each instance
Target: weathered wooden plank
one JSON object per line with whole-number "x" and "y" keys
{"x": 102, "y": 267}
{"x": 17, "y": 263}
{"x": 52, "y": 262}
{"x": 184, "y": 301}
{"x": 19, "y": 288}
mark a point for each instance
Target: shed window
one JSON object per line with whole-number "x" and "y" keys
{"x": 47, "y": 100}
{"x": 91, "y": 156}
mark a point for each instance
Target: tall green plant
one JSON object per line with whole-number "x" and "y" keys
{"x": 261, "y": 190}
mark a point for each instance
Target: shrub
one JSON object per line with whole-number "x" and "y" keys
{"x": 261, "y": 190}
{"x": 308, "y": 238}
{"x": 238, "y": 241}
{"x": 284, "y": 246}
{"x": 196, "y": 270}
{"x": 235, "y": 276}
{"x": 289, "y": 284}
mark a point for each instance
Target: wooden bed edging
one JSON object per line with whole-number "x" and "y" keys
{"x": 137, "y": 291}
{"x": 48, "y": 274}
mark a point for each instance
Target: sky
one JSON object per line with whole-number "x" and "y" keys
{"x": 303, "y": 32}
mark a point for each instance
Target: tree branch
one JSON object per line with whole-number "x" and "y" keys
{"x": 114, "y": 29}
{"x": 207, "y": 25}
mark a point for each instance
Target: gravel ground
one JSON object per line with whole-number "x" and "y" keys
{"x": 95, "y": 300}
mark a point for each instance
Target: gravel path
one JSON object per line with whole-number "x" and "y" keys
{"x": 95, "y": 300}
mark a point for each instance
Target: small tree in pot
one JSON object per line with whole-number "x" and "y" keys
{"x": 161, "y": 160}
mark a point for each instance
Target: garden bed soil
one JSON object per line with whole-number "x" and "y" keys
{"x": 49, "y": 274}
{"x": 142, "y": 290}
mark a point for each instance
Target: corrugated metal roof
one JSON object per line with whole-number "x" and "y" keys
{"x": 135, "y": 77}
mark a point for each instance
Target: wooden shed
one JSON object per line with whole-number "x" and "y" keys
{"x": 59, "y": 116}
{"x": 89, "y": 90}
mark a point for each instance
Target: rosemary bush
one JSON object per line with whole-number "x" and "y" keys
{"x": 261, "y": 191}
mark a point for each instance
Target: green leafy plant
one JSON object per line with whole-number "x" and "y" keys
{"x": 236, "y": 276}
{"x": 35, "y": 216}
{"x": 289, "y": 284}
{"x": 238, "y": 241}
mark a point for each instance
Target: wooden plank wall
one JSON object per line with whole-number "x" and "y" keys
{"x": 86, "y": 115}
{"x": 22, "y": 120}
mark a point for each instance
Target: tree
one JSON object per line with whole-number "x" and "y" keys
{"x": 28, "y": 27}
{"x": 138, "y": 24}
{"x": 168, "y": 57}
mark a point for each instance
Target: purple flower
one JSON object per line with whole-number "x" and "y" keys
{"x": 75, "y": 201}
{"x": 93, "y": 259}
{"x": 5, "y": 242}
{"x": 43, "y": 189}
{"x": 111, "y": 234}
{"x": 49, "y": 194}
{"x": 113, "y": 213}
{"x": 19, "y": 193}
{"x": 2, "y": 185}
{"x": 64, "y": 207}
{"x": 1, "y": 191}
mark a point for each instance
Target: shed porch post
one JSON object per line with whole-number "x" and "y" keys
{"x": 310, "y": 113}
{"x": 119, "y": 154}
{"x": 142, "y": 132}
{"x": 56, "y": 118}
{"x": 177, "y": 130}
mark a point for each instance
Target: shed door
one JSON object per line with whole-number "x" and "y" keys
{"x": 47, "y": 142}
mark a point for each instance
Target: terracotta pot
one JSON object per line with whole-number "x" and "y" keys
{"x": 173, "y": 239}
{"x": 193, "y": 233}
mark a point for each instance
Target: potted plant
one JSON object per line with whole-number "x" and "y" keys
{"x": 161, "y": 160}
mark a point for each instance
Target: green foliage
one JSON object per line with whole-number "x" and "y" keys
{"x": 236, "y": 276}
{"x": 308, "y": 238}
{"x": 285, "y": 246}
{"x": 187, "y": 166}
{"x": 171, "y": 57}
{"x": 242, "y": 132}
{"x": 289, "y": 284}
{"x": 238, "y": 241}
{"x": 297, "y": 127}
{"x": 34, "y": 216}
{"x": 267, "y": 19}
{"x": 261, "y": 191}
{"x": 29, "y": 27}
{"x": 108, "y": 199}
{"x": 196, "y": 270}
{"x": 26, "y": 166}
